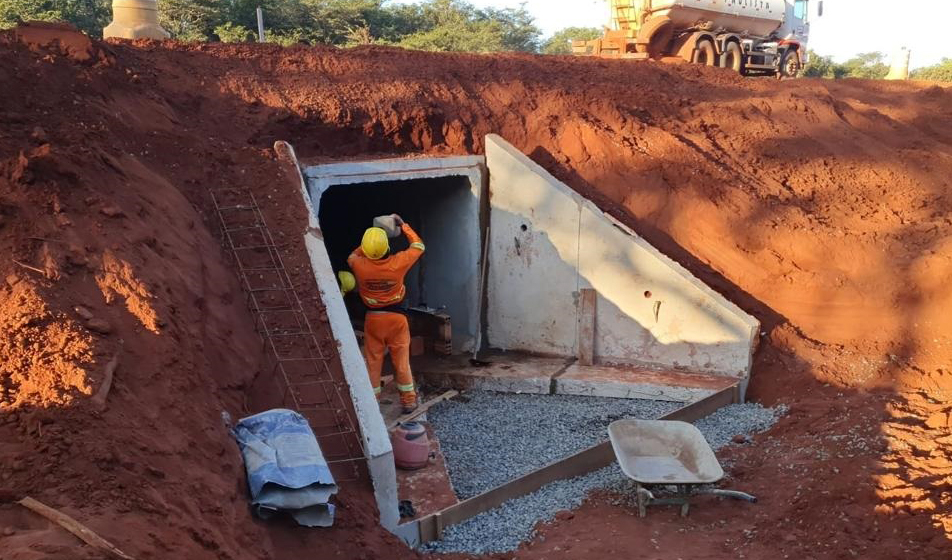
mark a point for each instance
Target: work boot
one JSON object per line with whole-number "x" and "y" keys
{"x": 409, "y": 406}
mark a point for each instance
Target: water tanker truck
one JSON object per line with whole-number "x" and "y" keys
{"x": 765, "y": 37}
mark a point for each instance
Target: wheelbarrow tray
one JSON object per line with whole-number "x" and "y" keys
{"x": 663, "y": 452}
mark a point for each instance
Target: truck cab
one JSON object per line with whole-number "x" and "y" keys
{"x": 794, "y": 32}
{"x": 796, "y": 22}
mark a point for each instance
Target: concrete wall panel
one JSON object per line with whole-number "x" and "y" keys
{"x": 452, "y": 273}
{"x": 650, "y": 310}
{"x": 533, "y": 255}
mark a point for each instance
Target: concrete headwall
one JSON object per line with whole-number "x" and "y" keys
{"x": 547, "y": 242}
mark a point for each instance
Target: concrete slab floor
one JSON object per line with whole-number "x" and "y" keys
{"x": 637, "y": 383}
{"x": 512, "y": 372}
{"x": 389, "y": 401}
{"x": 505, "y": 373}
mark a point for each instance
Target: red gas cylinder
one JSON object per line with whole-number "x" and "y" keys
{"x": 411, "y": 446}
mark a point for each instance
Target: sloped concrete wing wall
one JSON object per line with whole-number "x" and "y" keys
{"x": 547, "y": 242}
{"x": 373, "y": 431}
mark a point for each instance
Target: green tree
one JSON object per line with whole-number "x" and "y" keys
{"x": 867, "y": 65}
{"x": 190, "y": 20}
{"x": 335, "y": 22}
{"x": 343, "y": 22}
{"x": 89, "y": 16}
{"x": 229, "y": 32}
{"x": 517, "y": 27}
{"x": 561, "y": 41}
{"x": 391, "y": 24}
{"x": 279, "y": 15}
{"x": 287, "y": 38}
{"x": 941, "y": 72}
{"x": 14, "y": 11}
{"x": 819, "y": 66}
{"x": 454, "y": 25}
{"x": 441, "y": 25}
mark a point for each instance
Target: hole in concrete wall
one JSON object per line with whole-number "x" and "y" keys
{"x": 647, "y": 293}
{"x": 524, "y": 227}
{"x": 444, "y": 211}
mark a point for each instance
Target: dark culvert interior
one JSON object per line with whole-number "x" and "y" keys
{"x": 443, "y": 210}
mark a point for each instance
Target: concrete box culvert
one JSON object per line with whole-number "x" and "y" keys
{"x": 546, "y": 243}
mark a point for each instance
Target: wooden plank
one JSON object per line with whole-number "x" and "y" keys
{"x": 99, "y": 399}
{"x": 84, "y": 533}
{"x": 586, "y": 327}
{"x": 704, "y": 407}
{"x": 422, "y": 408}
{"x": 583, "y": 462}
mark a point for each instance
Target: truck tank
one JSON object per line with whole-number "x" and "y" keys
{"x": 746, "y": 17}
{"x": 752, "y": 37}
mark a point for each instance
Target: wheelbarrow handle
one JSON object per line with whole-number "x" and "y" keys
{"x": 731, "y": 494}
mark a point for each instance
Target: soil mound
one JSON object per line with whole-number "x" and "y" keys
{"x": 821, "y": 207}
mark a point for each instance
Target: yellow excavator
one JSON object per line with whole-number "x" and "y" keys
{"x": 766, "y": 37}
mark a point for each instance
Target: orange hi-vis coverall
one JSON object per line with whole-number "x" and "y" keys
{"x": 380, "y": 284}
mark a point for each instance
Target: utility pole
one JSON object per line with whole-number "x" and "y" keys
{"x": 260, "y": 25}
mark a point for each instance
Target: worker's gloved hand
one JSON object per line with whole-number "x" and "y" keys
{"x": 397, "y": 219}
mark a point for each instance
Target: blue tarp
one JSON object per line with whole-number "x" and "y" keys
{"x": 285, "y": 466}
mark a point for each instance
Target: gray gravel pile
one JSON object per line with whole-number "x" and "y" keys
{"x": 503, "y": 529}
{"x": 496, "y": 437}
{"x": 727, "y": 422}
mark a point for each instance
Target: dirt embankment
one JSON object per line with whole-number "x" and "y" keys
{"x": 821, "y": 207}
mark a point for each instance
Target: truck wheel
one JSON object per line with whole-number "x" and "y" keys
{"x": 790, "y": 64}
{"x": 733, "y": 58}
{"x": 704, "y": 53}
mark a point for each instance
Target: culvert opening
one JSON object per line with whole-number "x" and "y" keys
{"x": 445, "y": 212}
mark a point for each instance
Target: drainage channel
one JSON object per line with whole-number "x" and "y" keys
{"x": 546, "y": 249}
{"x": 490, "y": 438}
{"x": 501, "y": 518}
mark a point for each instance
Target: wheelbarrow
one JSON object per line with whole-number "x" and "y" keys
{"x": 668, "y": 453}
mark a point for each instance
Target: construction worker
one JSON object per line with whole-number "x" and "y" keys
{"x": 380, "y": 277}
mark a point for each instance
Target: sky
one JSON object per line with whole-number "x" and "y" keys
{"x": 847, "y": 27}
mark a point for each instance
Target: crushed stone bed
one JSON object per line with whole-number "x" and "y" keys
{"x": 504, "y": 528}
{"x": 491, "y": 438}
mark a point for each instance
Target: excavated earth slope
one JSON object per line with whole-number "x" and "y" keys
{"x": 821, "y": 207}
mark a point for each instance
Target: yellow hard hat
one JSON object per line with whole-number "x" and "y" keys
{"x": 347, "y": 281}
{"x": 375, "y": 243}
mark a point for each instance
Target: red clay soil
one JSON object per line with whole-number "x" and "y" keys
{"x": 821, "y": 207}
